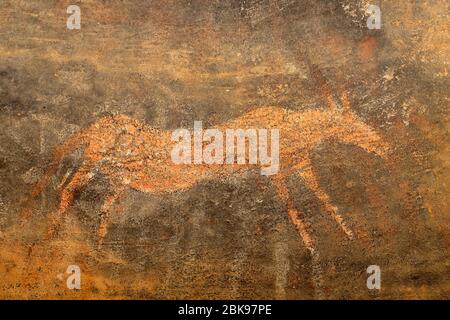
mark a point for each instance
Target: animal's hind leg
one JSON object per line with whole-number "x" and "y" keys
{"x": 311, "y": 180}
{"x": 105, "y": 213}
{"x": 80, "y": 178}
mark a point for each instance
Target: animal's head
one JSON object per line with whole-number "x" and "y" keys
{"x": 350, "y": 128}
{"x": 344, "y": 124}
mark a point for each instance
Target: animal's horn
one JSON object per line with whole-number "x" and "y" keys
{"x": 321, "y": 81}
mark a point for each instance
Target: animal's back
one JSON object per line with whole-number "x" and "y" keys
{"x": 134, "y": 153}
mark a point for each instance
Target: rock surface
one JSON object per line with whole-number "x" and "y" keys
{"x": 168, "y": 63}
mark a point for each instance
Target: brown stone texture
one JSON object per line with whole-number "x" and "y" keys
{"x": 86, "y": 177}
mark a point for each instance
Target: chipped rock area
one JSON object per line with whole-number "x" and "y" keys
{"x": 164, "y": 64}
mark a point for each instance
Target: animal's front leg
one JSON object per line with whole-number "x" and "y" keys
{"x": 311, "y": 180}
{"x": 296, "y": 219}
{"x": 283, "y": 193}
{"x": 105, "y": 213}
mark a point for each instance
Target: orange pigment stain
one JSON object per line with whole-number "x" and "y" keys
{"x": 367, "y": 48}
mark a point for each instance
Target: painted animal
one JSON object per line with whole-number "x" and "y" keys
{"x": 133, "y": 155}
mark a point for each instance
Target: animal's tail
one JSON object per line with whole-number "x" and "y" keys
{"x": 73, "y": 143}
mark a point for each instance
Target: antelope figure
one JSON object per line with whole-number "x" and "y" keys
{"x": 133, "y": 155}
